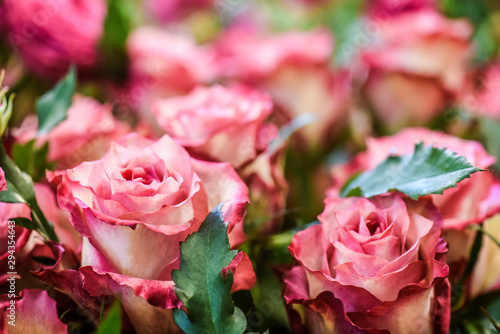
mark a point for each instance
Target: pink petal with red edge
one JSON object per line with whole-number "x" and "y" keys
{"x": 138, "y": 297}
{"x": 416, "y": 310}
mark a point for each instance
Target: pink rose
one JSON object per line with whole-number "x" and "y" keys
{"x": 419, "y": 62}
{"x": 372, "y": 265}
{"x": 35, "y": 312}
{"x": 294, "y": 68}
{"x": 471, "y": 202}
{"x": 163, "y": 64}
{"x": 78, "y": 138}
{"x": 171, "y": 10}
{"x": 218, "y": 123}
{"x": 133, "y": 207}
{"x": 226, "y": 125}
{"x": 51, "y": 34}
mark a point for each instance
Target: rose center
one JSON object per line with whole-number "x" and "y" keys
{"x": 145, "y": 175}
{"x": 374, "y": 224}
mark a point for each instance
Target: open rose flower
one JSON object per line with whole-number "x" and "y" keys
{"x": 294, "y": 68}
{"x": 471, "y": 202}
{"x": 51, "y": 34}
{"x": 227, "y": 125}
{"x": 33, "y": 312}
{"x": 371, "y": 266}
{"x": 418, "y": 66}
{"x": 133, "y": 207}
{"x": 218, "y": 123}
{"x": 86, "y": 134}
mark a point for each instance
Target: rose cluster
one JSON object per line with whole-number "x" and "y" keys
{"x": 134, "y": 122}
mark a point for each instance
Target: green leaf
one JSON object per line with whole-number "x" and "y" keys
{"x": 428, "y": 170}
{"x": 112, "y": 323}
{"x": 9, "y": 196}
{"x": 20, "y": 189}
{"x": 25, "y": 222}
{"x": 199, "y": 282}
{"x": 31, "y": 159}
{"x": 51, "y": 107}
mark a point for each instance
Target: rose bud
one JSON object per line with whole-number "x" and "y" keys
{"x": 418, "y": 65}
{"x": 50, "y": 35}
{"x": 77, "y": 138}
{"x": 133, "y": 207}
{"x": 370, "y": 266}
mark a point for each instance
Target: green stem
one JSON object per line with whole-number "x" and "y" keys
{"x": 22, "y": 184}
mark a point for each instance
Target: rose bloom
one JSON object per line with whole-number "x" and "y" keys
{"x": 227, "y": 125}
{"x": 419, "y": 62}
{"x": 294, "y": 68}
{"x": 34, "y": 311}
{"x": 371, "y": 265}
{"x": 218, "y": 123}
{"x": 50, "y": 35}
{"x": 471, "y": 202}
{"x": 133, "y": 207}
{"x": 86, "y": 133}
{"x": 163, "y": 64}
